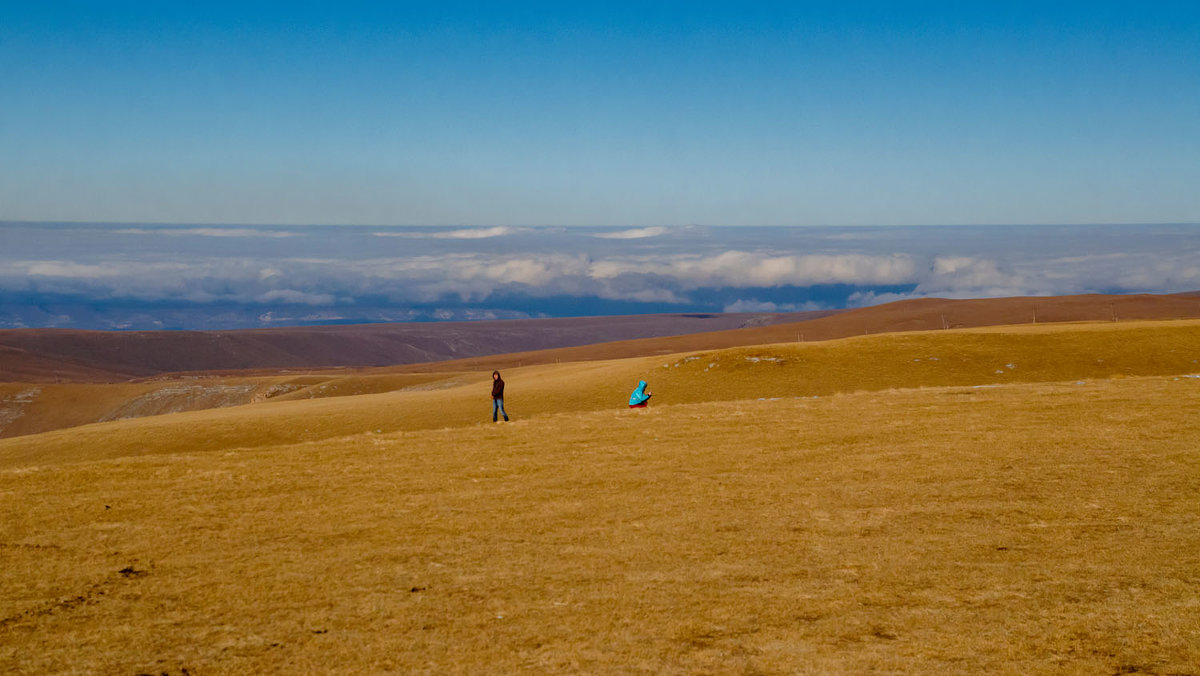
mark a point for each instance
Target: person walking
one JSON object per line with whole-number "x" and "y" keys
{"x": 498, "y": 397}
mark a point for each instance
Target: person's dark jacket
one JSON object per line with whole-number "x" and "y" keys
{"x": 498, "y": 388}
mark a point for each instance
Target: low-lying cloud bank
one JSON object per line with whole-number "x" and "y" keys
{"x": 634, "y": 233}
{"x": 461, "y": 233}
{"x": 343, "y": 274}
{"x": 464, "y": 277}
{"x": 207, "y": 232}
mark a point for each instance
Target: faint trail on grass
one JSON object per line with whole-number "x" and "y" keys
{"x": 89, "y": 596}
{"x": 177, "y": 398}
{"x": 13, "y": 406}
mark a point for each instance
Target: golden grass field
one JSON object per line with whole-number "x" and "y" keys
{"x": 1009, "y": 500}
{"x": 450, "y": 396}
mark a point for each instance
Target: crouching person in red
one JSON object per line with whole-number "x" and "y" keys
{"x": 640, "y": 397}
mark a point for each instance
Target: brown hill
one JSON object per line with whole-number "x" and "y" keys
{"x": 49, "y": 355}
{"x": 923, "y": 314}
{"x": 18, "y": 365}
{"x": 195, "y": 414}
{"x": 98, "y": 356}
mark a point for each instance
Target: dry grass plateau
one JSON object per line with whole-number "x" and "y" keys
{"x": 281, "y": 410}
{"x": 998, "y": 501}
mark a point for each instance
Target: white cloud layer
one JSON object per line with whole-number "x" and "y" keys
{"x": 208, "y": 232}
{"x": 462, "y": 233}
{"x": 744, "y": 268}
{"x": 331, "y": 271}
{"x": 743, "y": 305}
{"x": 634, "y": 233}
{"x": 473, "y": 277}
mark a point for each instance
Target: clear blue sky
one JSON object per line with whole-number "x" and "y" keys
{"x": 601, "y": 114}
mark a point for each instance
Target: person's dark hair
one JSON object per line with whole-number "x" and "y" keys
{"x": 495, "y": 374}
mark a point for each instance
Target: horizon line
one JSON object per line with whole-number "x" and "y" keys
{"x": 232, "y": 224}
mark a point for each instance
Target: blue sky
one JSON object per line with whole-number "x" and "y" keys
{"x": 627, "y": 114}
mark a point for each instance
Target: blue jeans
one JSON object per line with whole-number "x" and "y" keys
{"x": 498, "y": 408}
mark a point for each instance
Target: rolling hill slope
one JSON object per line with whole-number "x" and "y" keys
{"x": 1021, "y": 529}
{"x": 976, "y": 357}
{"x": 94, "y": 356}
{"x": 54, "y": 355}
{"x": 925, "y": 314}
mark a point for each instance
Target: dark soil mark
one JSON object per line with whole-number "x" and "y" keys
{"x": 19, "y": 545}
{"x": 1124, "y": 669}
{"x": 90, "y": 596}
{"x": 702, "y": 639}
{"x": 880, "y": 632}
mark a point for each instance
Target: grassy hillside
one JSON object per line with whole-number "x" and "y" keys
{"x": 996, "y": 356}
{"x": 31, "y": 408}
{"x": 63, "y": 355}
{"x": 924, "y": 314}
{"x": 57, "y": 355}
{"x": 1030, "y": 528}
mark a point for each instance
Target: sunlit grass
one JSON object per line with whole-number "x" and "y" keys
{"x": 1032, "y": 527}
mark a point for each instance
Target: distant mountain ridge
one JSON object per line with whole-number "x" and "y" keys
{"x": 919, "y": 314}
{"x": 47, "y": 355}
